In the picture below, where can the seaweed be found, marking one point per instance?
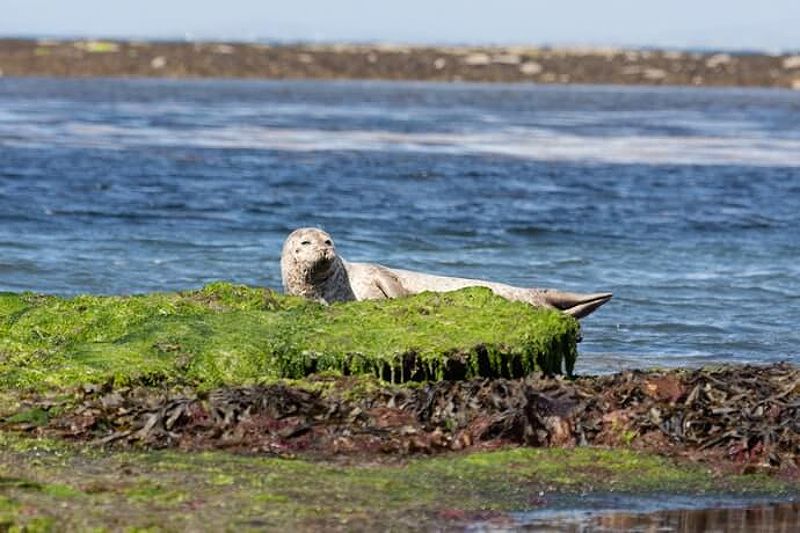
(232, 334)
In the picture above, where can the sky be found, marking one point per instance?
(770, 25)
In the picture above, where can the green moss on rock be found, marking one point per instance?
(232, 334)
(82, 489)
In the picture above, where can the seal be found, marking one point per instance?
(310, 267)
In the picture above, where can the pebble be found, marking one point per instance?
(158, 62)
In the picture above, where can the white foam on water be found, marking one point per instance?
(531, 143)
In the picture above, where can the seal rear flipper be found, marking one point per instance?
(576, 304)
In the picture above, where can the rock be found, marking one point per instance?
(305, 58)
(718, 60)
(506, 59)
(632, 70)
(477, 60)
(530, 68)
(439, 63)
(654, 74)
(223, 49)
(158, 62)
(791, 62)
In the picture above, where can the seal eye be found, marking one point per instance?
(328, 242)
(305, 243)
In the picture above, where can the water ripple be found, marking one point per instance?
(684, 203)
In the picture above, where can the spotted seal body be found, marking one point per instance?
(311, 268)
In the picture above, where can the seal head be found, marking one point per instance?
(311, 268)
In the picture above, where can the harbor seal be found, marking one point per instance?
(310, 267)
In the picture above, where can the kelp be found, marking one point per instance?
(742, 415)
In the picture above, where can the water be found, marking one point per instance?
(665, 513)
(683, 202)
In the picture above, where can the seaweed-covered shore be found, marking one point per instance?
(87, 58)
(358, 453)
(740, 418)
(235, 405)
(50, 485)
(237, 367)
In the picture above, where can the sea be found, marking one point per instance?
(683, 202)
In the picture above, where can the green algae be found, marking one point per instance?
(82, 488)
(233, 334)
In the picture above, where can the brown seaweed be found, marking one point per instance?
(747, 415)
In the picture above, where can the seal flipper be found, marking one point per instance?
(576, 304)
(388, 284)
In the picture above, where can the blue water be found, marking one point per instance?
(662, 512)
(683, 202)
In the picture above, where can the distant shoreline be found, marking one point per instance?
(92, 58)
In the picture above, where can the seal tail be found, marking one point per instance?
(576, 304)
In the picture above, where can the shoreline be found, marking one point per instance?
(178, 411)
(289, 454)
(230, 366)
(734, 419)
(509, 64)
(71, 487)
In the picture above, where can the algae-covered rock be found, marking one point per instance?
(67, 488)
(232, 334)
